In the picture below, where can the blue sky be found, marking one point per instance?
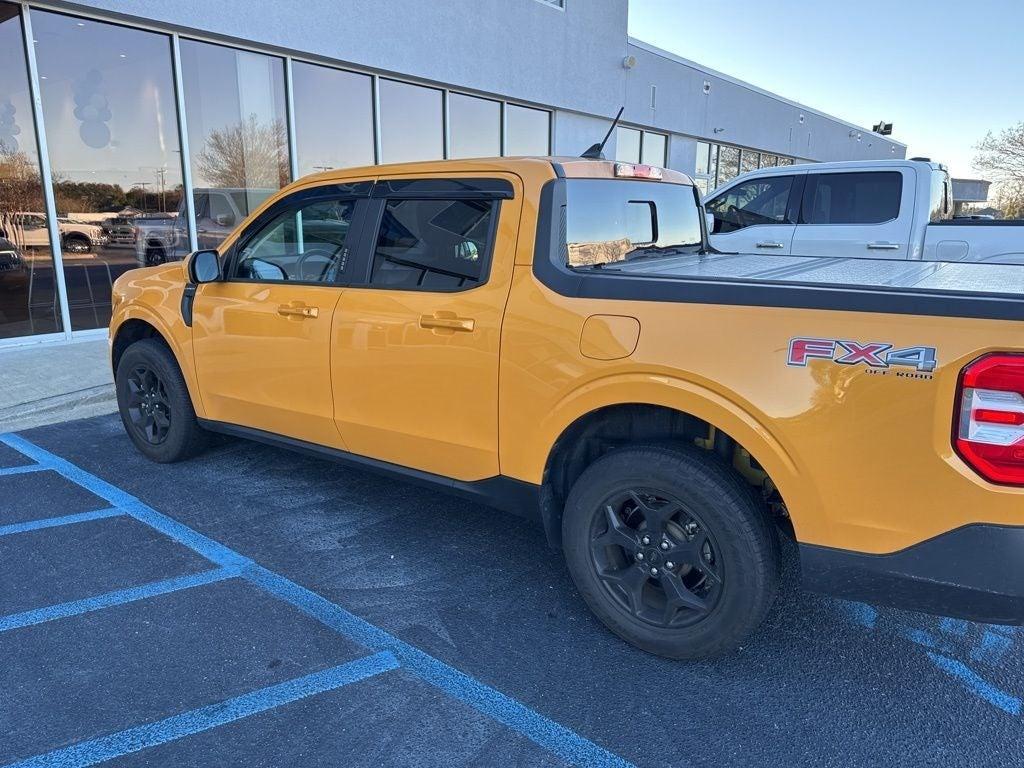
(944, 73)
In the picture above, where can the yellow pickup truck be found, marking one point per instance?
(554, 337)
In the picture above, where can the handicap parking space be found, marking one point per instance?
(10, 458)
(110, 553)
(258, 607)
(31, 496)
(148, 659)
(394, 720)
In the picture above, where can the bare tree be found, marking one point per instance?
(1001, 157)
(250, 155)
(21, 189)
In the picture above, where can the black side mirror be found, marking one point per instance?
(204, 267)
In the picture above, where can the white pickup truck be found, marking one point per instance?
(884, 209)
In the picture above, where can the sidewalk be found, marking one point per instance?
(47, 383)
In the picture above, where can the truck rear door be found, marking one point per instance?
(414, 356)
(856, 214)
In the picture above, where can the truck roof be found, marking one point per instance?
(847, 165)
(568, 167)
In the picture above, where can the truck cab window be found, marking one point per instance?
(433, 245)
(852, 198)
(609, 221)
(304, 245)
(761, 201)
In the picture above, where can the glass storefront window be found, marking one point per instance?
(654, 147)
(333, 118)
(749, 160)
(112, 132)
(411, 122)
(474, 126)
(769, 161)
(237, 133)
(28, 285)
(703, 152)
(527, 131)
(728, 164)
(627, 145)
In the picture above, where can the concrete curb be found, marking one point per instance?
(82, 403)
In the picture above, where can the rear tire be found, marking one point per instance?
(671, 550)
(154, 404)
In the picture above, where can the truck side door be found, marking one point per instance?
(857, 214)
(757, 215)
(414, 360)
(261, 336)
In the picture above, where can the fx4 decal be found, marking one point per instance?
(872, 354)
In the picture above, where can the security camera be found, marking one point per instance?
(629, 62)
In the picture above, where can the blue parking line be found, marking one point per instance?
(977, 684)
(22, 470)
(203, 719)
(119, 597)
(556, 738)
(212, 550)
(54, 522)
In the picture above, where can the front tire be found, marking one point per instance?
(154, 403)
(77, 244)
(155, 256)
(671, 550)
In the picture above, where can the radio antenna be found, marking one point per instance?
(596, 152)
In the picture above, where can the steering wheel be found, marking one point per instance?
(327, 254)
(738, 215)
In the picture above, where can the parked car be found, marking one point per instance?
(10, 256)
(860, 209)
(555, 337)
(120, 230)
(218, 211)
(30, 230)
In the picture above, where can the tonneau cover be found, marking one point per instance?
(886, 273)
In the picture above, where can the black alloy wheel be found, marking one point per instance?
(148, 405)
(671, 549)
(657, 559)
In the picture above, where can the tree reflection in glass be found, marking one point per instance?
(28, 292)
(235, 105)
(112, 133)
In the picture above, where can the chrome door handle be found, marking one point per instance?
(884, 246)
(300, 310)
(447, 323)
(770, 245)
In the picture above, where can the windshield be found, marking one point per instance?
(614, 221)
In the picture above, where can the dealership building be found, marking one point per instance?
(132, 131)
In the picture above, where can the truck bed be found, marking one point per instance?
(883, 273)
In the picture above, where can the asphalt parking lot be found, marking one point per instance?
(255, 607)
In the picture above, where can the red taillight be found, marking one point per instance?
(990, 427)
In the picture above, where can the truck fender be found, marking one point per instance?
(723, 413)
(181, 347)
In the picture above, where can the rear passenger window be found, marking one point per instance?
(433, 245)
(851, 198)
